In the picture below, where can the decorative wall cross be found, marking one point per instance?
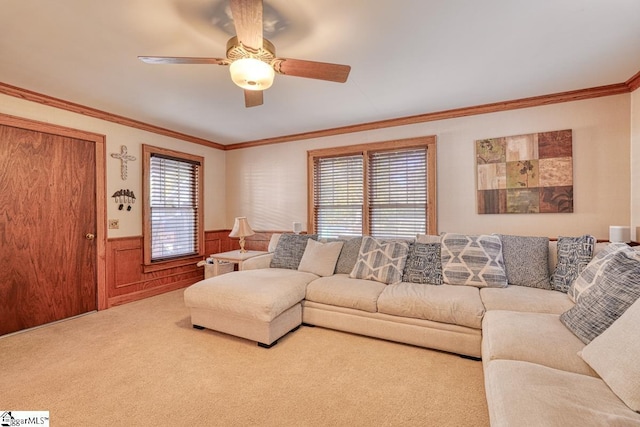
(124, 157)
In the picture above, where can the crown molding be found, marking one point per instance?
(575, 95)
(634, 82)
(99, 114)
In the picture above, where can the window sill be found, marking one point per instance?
(165, 265)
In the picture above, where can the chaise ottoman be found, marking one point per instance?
(260, 305)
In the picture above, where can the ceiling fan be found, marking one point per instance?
(252, 59)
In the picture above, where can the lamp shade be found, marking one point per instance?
(251, 74)
(241, 228)
(619, 233)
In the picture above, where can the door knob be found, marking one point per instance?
(90, 236)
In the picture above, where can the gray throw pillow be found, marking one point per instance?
(526, 260)
(289, 250)
(423, 264)
(574, 254)
(348, 255)
(617, 288)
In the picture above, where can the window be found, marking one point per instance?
(173, 226)
(383, 190)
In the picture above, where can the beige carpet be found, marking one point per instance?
(143, 364)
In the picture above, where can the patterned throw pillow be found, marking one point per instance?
(348, 255)
(526, 260)
(574, 253)
(289, 250)
(423, 264)
(380, 261)
(473, 260)
(603, 303)
(592, 272)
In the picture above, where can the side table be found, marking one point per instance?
(235, 257)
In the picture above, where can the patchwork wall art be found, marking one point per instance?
(530, 173)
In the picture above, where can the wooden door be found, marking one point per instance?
(47, 209)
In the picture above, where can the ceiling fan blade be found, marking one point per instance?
(252, 98)
(247, 17)
(181, 60)
(312, 70)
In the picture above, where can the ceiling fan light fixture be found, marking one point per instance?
(252, 74)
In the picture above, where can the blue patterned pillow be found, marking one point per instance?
(473, 260)
(423, 264)
(380, 261)
(616, 289)
(289, 250)
(574, 254)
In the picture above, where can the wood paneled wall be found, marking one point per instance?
(128, 280)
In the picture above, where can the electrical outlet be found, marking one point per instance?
(114, 223)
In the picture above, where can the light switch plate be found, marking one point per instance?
(114, 223)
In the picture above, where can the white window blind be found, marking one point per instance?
(398, 193)
(173, 207)
(338, 195)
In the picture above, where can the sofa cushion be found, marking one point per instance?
(380, 261)
(456, 305)
(574, 253)
(289, 250)
(592, 272)
(273, 242)
(428, 238)
(520, 298)
(527, 394)
(526, 260)
(261, 294)
(320, 258)
(616, 289)
(473, 260)
(423, 264)
(614, 356)
(342, 291)
(532, 337)
(348, 255)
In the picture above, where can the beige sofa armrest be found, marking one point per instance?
(260, 261)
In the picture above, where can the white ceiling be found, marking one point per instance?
(408, 57)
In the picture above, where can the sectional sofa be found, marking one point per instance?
(542, 315)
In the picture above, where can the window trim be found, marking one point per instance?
(428, 142)
(147, 152)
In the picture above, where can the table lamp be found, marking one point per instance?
(241, 229)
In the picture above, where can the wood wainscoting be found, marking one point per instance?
(128, 280)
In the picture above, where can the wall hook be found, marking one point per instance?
(122, 197)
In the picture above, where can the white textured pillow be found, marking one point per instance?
(428, 238)
(320, 258)
(273, 242)
(614, 356)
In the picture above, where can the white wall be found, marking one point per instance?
(118, 135)
(635, 164)
(268, 184)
